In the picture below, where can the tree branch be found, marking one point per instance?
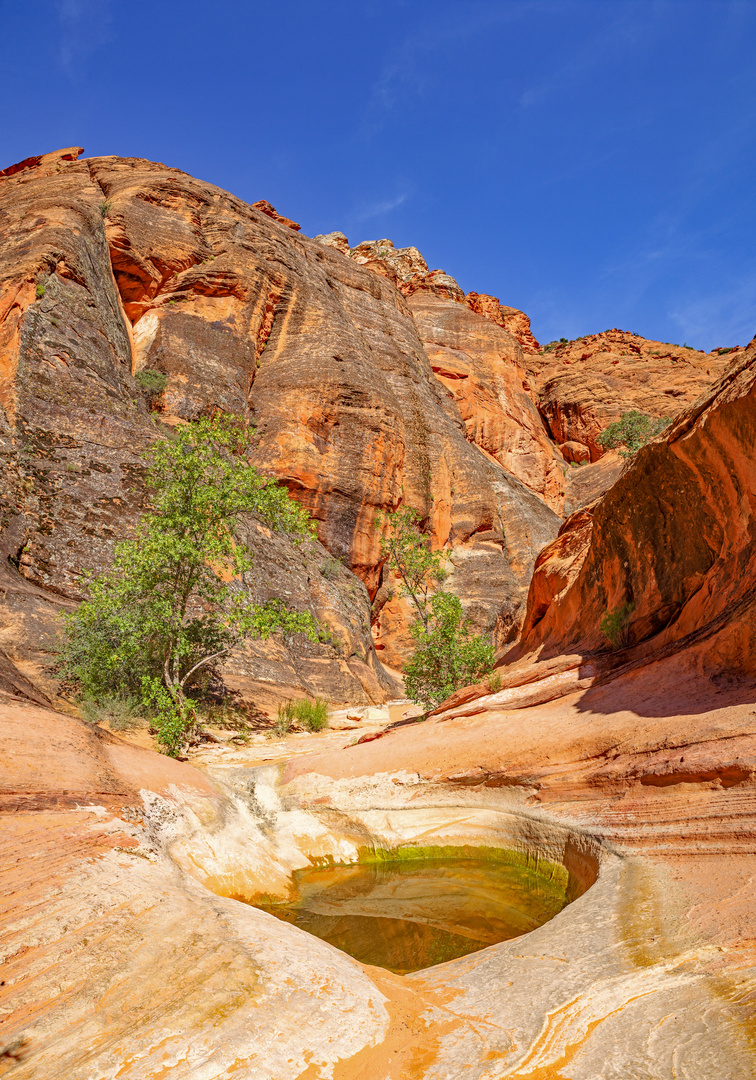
(205, 660)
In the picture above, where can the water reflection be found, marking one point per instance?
(412, 914)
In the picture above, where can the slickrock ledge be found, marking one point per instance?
(124, 959)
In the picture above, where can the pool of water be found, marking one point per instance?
(411, 913)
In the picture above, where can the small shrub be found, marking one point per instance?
(105, 207)
(40, 290)
(632, 431)
(120, 711)
(283, 721)
(152, 381)
(615, 625)
(312, 714)
(723, 352)
(330, 569)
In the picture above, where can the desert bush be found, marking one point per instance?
(448, 654)
(615, 625)
(119, 711)
(152, 381)
(632, 431)
(311, 713)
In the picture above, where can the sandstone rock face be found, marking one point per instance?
(673, 538)
(75, 423)
(480, 367)
(264, 205)
(112, 266)
(139, 962)
(515, 322)
(373, 382)
(335, 240)
(585, 385)
(400, 265)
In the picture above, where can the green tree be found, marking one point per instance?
(448, 653)
(173, 604)
(632, 431)
(409, 555)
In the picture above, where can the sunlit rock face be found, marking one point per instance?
(673, 539)
(582, 386)
(111, 266)
(373, 382)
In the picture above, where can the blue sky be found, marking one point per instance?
(589, 161)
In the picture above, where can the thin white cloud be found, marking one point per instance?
(85, 26)
(404, 75)
(378, 209)
(623, 28)
(725, 318)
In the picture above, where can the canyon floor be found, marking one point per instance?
(126, 958)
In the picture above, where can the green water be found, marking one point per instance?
(411, 913)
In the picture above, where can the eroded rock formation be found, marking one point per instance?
(673, 540)
(372, 380)
(139, 961)
(112, 266)
(585, 385)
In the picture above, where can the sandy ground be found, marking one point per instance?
(260, 748)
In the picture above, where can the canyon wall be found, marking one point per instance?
(372, 382)
(112, 266)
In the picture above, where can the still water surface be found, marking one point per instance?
(414, 913)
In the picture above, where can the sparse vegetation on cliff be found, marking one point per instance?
(615, 625)
(448, 653)
(152, 381)
(632, 431)
(173, 605)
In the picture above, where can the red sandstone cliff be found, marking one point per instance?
(372, 382)
(110, 266)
